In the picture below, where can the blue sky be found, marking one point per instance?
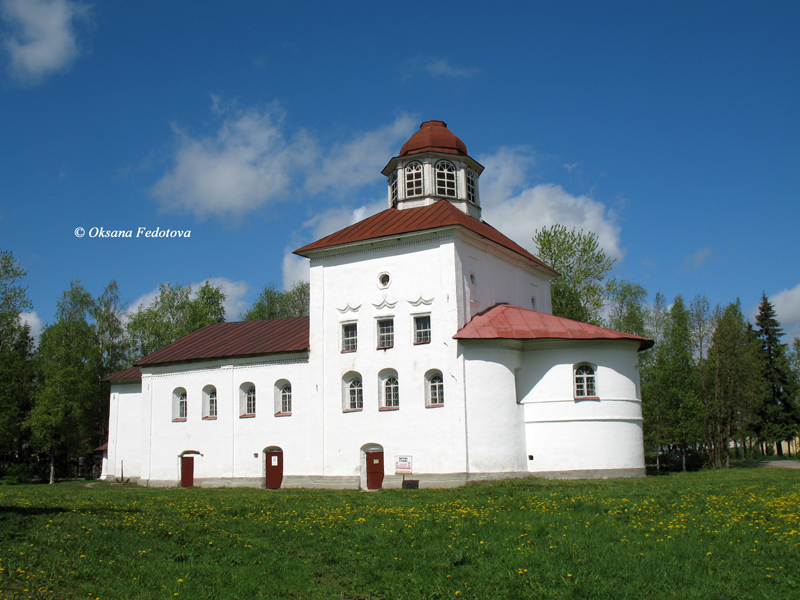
(671, 129)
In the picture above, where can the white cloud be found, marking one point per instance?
(518, 211)
(696, 260)
(247, 163)
(41, 38)
(787, 311)
(359, 161)
(441, 67)
(234, 304)
(235, 291)
(34, 321)
(337, 218)
(296, 268)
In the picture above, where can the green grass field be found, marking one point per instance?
(709, 535)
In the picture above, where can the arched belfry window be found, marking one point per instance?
(393, 188)
(472, 196)
(445, 179)
(414, 179)
(585, 384)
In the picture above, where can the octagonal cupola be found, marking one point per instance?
(434, 165)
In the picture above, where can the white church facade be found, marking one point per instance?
(429, 356)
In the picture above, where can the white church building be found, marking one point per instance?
(430, 358)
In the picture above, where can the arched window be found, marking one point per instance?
(283, 398)
(445, 179)
(391, 393)
(437, 389)
(414, 180)
(286, 399)
(434, 388)
(356, 395)
(180, 407)
(585, 381)
(212, 404)
(393, 188)
(209, 402)
(247, 400)
(471, 195)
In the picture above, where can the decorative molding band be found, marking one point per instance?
(419, 301)
(438, 238)
(266, 363)
(587, 420)
(275, 363)
(348, 308)
(601, 400)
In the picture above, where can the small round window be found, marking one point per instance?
(384, 279)
(472, 279)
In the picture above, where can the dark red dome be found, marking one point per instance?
(434, 136)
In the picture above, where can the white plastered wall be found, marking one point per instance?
(124, 431)
(499, 276)
(230, 448)
(346, 288)
(585, 437)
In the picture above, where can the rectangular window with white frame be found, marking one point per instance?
(385, 333)
(349, 337)
(422, 329)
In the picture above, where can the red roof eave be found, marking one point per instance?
(504, 321)
(392, 222)
(234, 340)
(129, 374)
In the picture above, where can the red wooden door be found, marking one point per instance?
(187, 471)
(374, 470)
(274, 470)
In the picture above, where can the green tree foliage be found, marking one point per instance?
(734, 383)
(779, 416)
(668, 380)
(794, 358)
(578, 291)
(676, 380)
(626, 310)
(65, 409)
(16, 353)
(275, 304)
(173, 314)
(652, 400)
(113, 348)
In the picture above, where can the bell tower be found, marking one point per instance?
(434, 165)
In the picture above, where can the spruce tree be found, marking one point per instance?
(778, 414)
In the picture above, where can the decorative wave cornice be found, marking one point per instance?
(419, 301)
(385, 304)
(349, 308)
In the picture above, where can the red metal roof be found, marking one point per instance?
(129, 373)
(240, 338)
(436, 137)
(504, 321)
(101, 448)
(393, 221)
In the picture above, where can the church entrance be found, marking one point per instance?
(374, 470)
(274, 469)
(187, 471)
